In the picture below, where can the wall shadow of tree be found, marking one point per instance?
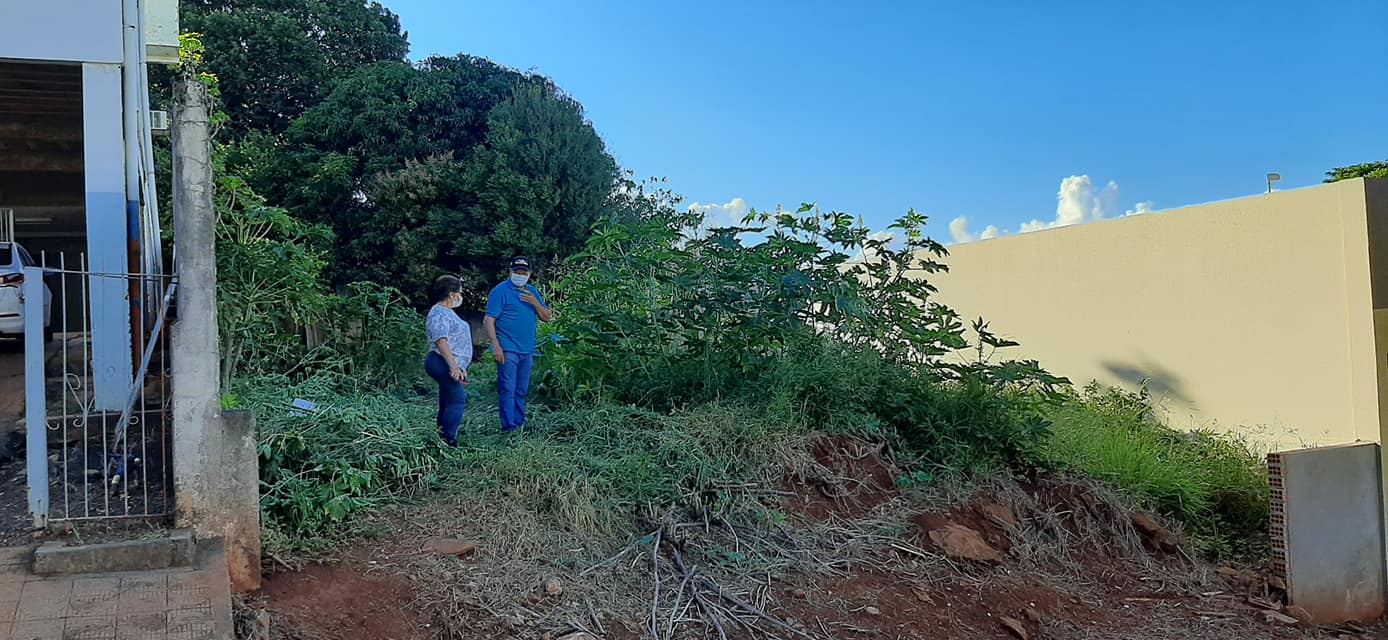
(1160, 381)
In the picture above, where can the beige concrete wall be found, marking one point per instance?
(1254, 315)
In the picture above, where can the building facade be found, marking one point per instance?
(76, 161)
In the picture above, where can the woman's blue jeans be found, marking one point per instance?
(452, 397)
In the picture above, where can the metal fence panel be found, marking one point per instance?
(86, 463)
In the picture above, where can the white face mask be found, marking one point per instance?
(519, 279)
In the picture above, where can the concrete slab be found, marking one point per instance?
(191, 603)
(175, 550)
(1327, 531)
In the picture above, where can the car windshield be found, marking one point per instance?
(7, 257)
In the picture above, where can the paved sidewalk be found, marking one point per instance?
(177, 604)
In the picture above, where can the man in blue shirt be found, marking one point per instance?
(514, 310)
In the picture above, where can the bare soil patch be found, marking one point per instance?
(857, 559)
(343, 601)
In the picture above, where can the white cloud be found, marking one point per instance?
(959, 230)
(1079, 202)
(728, 214)
(1142, 207)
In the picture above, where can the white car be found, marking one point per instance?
(13, 259)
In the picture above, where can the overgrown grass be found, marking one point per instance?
(588, 470)
(1214, 485)
(356, 450)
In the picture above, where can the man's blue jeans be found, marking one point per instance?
(452, 398)
(512, 386)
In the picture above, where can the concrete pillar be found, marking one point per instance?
(104, 149)
(197, 442)
(238, 505)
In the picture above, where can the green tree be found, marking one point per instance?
(1365, 170)
(448, 166)
(276, 59)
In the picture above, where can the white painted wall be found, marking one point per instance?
(103, 144)
(161, 30)
(61, 30)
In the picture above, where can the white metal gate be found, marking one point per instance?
(90, 460)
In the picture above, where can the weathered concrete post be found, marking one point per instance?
(239, 503)
(195, 362)
(216, 470)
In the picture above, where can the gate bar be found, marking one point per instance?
(35, 402)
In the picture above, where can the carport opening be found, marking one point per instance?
(42, 183)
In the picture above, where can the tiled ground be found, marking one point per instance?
(179, 604)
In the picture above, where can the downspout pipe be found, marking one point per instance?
(131, 112)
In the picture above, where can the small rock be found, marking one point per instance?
(1279, 618)
(1033, 615)
(553, 588)
(1016, 627)
(1303, 616)
(547, 636)
(999, 515)
(1277, 583)
(923, 595)
(800, 594)
(1228, 572)
(872, 611)
(1154, 532)
(450, 547)
(963, 543)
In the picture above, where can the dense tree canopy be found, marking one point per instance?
(277, 58)
(1366, 170)
(451, 164)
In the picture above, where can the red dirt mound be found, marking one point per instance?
(340, 601)
(852, 479)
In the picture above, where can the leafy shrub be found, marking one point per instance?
(357, 449)
(375, 336)
(805, 312)
(1211, 483)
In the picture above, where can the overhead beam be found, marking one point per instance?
(59, 163)
(53, 128)
(40, 147)
(30, 188)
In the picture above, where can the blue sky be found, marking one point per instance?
(979, 111)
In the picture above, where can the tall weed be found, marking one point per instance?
(1212, 483)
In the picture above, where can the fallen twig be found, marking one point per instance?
(616, 558)
(704, 607)
(675, 609)
(592, 613)
(655, 593)
(755, 611)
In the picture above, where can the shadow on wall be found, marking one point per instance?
(1159, 381)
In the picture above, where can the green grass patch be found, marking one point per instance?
(589, 470)
(1213, 484)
